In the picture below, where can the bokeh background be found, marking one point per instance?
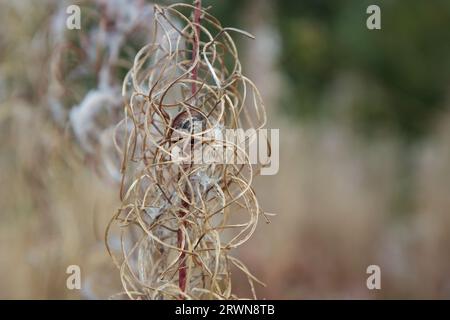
(364, 119)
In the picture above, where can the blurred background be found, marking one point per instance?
(364, 119)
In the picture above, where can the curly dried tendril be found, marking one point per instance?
(179, 220)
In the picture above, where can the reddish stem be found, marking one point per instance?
(195, 49)
(180, 236)
(182, 264)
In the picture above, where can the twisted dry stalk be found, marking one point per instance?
(179, 220)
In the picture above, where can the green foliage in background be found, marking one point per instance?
(402, 71)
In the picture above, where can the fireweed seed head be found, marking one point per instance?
(181, 220)
(87, 67)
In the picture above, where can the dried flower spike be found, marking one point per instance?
(180, 220)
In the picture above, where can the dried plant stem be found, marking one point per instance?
(180, 237)
(182, 263)
(181, 219)
(196, 44)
